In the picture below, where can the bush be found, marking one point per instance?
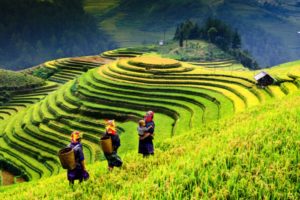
(245, 58)
(43, 72)
(16, 80)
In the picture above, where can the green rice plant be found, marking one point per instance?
(232, 94)
(123, 64)
(288, 87)
(152, 97)
(33, 168)
(183, 100)
(110, 85)
(12, 140)
(10, 80)
(246, 156)
(275, 91)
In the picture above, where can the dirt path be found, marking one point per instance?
(8, 178)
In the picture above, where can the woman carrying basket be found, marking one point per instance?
(112, 157)
(79, 173)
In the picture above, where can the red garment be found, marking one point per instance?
(110, 127)
(149, 116)
(111, 130)
(75, 136)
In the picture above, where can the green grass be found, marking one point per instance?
(20, 98)
(11, 80)
(166, 93)
(196, 51)
(66, 69)
(147, 79)
(193, 51)
(252, 155)
(183, 100)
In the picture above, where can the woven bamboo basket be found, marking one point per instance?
(67, 158)
(106, 145)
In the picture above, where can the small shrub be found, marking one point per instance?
(44, 72)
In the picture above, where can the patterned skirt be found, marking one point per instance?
(113, 159)
(77, 174)
(146, 147)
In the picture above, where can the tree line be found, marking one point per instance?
(33, 31)
(219, 33)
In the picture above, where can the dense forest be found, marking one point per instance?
(33, 31)
(219, 33)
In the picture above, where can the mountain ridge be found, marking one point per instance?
(268, 28)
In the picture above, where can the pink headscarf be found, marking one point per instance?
(149, 116)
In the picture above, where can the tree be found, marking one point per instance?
(187, 27)
(181, 37)
(33, 30)
(218, 33)
(195, 32)
(236, 40)
(212, 34)
(183, 31)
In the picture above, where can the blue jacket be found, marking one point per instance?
(77, 147)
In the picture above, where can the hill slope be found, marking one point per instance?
(268, 28)
(252, 155)
(13, 88)
(11, 80)
(196, 51)
(182, 95)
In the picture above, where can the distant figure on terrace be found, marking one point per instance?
(113, 159)
(146, 134)
(79, 173)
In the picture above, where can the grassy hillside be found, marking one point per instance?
(268, 32)
(11, 84)
(16, 80)
(20, 89)
(184, 96)
(193, 50)
(254, 155)
(66, 69)
(188, 98)
(17, 101)
(196, 52)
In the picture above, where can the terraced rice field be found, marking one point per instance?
(182, 95)
(222, 64)
(68, 69)
(24, 107)
(23, 98)
(124, 52)
(65, 70)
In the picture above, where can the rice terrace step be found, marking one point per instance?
(187, 98)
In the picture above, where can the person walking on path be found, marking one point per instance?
(146, 141)
(113, 159)
(79, 173)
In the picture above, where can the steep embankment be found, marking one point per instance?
(253, 155)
